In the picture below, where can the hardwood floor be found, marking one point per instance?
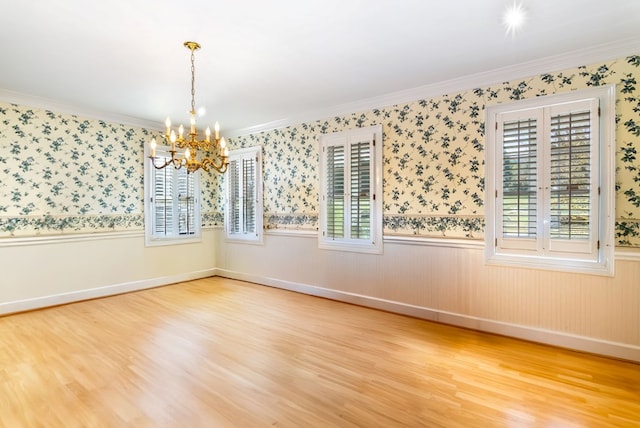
(223, 353)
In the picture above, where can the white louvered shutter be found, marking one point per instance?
(348, 174)
(163, 201)
(335, 191)
(243, 210)
(547, 194)
(350, 217)
(233, 197)
(185, 202)
(360, 184)
(249, 195)
(573, 177)
(174, 202)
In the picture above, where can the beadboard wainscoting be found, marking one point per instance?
(449, 282)
(440, 280)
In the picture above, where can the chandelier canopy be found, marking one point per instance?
(184, 149)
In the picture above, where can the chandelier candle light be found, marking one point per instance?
(219, 159)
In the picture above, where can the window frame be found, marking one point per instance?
(253, 154)
(151, 238)
(374, 243)
(599, 257)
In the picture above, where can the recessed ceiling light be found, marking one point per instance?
(514, 17)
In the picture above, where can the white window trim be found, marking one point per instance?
(254, 152)
(604, 264)
(152, 240)
(375, 244)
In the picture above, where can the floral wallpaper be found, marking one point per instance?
(434, 156)
(62, 174)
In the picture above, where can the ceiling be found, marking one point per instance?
(267, 61)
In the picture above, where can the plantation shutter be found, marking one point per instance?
(519, 199)
(348, 175)
(233, 203)
(573, 177)
(163, 201)
(185, 201)
(547, 194)
(174, 203)
(243, 213)
(519, 178)
(335, 191)
(350, 217)
(360, 183)
(550, 181)
(249, 195)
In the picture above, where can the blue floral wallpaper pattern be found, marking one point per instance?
(62, 174)
(434, 156)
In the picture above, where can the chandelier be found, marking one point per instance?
(189, 145)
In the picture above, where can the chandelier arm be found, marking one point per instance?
(176, 162)
(221, 167)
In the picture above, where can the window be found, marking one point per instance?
(243, 209)
(550, 180)
(172, 203)
(351, 190)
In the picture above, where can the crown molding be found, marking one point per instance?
(34, 101)
(549, 64)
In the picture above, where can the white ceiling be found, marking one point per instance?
(265, 61)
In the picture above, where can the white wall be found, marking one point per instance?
(450, 283)
(445, 281)
(59, 270)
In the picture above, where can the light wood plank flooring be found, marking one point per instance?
(223, 353)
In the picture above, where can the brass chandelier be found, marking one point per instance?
(215, 146)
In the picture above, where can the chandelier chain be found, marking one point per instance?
(193, 82)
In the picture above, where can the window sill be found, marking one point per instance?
(251, 241)
(159, 242)
(602, 268)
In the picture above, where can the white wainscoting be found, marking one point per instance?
(448, 281)
(94, 293)
(41, 272)
(440, 280)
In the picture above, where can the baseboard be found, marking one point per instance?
(94, 293)
(548, 337)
